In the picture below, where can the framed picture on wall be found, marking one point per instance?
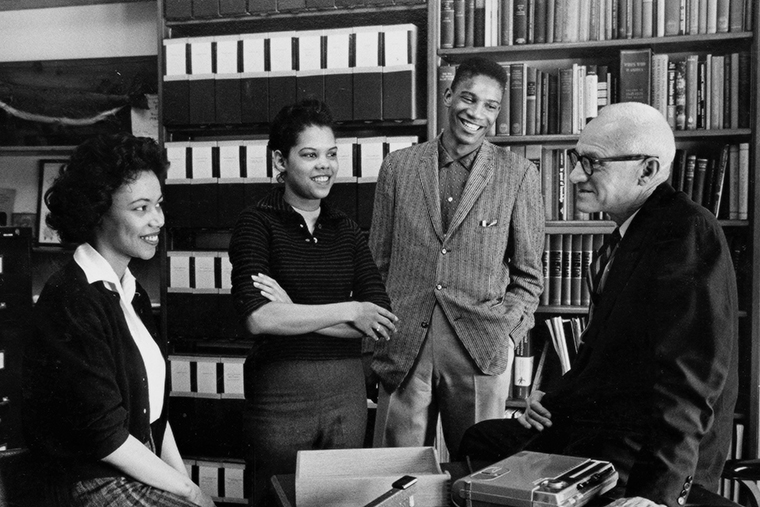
(49, 169)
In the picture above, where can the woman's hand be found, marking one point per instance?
(198, 497)
(270, 289)
(535, 415)
(374, 321)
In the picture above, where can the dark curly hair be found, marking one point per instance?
(479, 66)
(83, 191)
(292, 120)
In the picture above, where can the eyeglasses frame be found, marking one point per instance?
(596, 162)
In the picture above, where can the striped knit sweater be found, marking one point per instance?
(331, 266)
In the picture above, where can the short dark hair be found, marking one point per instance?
(292, 120)
(82, 193)
(479, 66)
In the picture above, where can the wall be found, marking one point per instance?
(91, 31)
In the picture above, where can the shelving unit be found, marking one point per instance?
(206, 423)
(560, 54)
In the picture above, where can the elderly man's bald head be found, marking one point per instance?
(634, 127)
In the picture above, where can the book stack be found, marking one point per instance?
(478, 23)
(566, 338)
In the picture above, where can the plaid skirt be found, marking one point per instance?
(122, 491)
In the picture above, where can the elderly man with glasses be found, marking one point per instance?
(654, 384)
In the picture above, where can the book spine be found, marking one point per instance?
(702, 6)
(733, 180)
(701, 94)
(672, 17)
(691, 92)
(520, 22)
(550, 16)
(559, 20)
(571, 31)
(480, 24)
(555, 269)
(503, 118)
(637, 9)
(712, 16)
(523, 368)
(459, 23)
(688, 182)
(576, 269)
(567, 254)
(587, 253)
(566, 101)
(447, 24)
(726, 111)
(469, 23)
(693, 9)
(647, 18)
(530, 100)
(744, 89)
(700, 172)
(660, 83)
(635, 75)
(445, 78)
(517, 98)
(722, 16)
(544, 301)
(743, 197)
(680, 95)
(539, 23)
(590, 102)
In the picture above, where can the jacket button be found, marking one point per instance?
(681, 500)
(424, 324)
(444, 251)
(438, 287)
(145, 411)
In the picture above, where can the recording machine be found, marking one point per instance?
(532, 479)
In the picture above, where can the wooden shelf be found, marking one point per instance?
(723, 42)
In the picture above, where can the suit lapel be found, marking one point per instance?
(633, 245)
(427, 170)
(481, 173)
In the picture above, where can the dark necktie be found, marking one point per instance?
(596, 269)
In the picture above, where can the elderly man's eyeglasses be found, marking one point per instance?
(590, 164)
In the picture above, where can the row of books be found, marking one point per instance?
(565, 260)
(206, 377)
(478, 23)
(696, 92)
(546, 352)
(206, 9)
(720, 183)
(359, 159)
(247, 78)
(203, 272)
(557, 189)
(223, 481)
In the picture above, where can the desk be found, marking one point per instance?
(284, 486)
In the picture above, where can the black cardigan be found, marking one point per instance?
(85, 384)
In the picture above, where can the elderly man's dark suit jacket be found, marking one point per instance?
(654, 385)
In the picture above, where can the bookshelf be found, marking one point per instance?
(227, 66)
(551, 56)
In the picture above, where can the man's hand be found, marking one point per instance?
(270, 289)
(536, 415)
(635, 501)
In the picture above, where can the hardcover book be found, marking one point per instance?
(635, 71)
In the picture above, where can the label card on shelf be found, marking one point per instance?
(204, 270)
(233, 376)
(371, 156)
(208, 478)
(233, 480)
(309, 50)
(200, 55)
(346, 168)
(256, 164)
(202, 161)
(367, 46)
(227, 54)
(179, 270)
(254, 52)
(176, 57)
(229, 159)
(226, 281)
(206, 369)
(176, 154)
(339, 48)
(400, 44)
(281, 51)
(180, 374)
(400, 142)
